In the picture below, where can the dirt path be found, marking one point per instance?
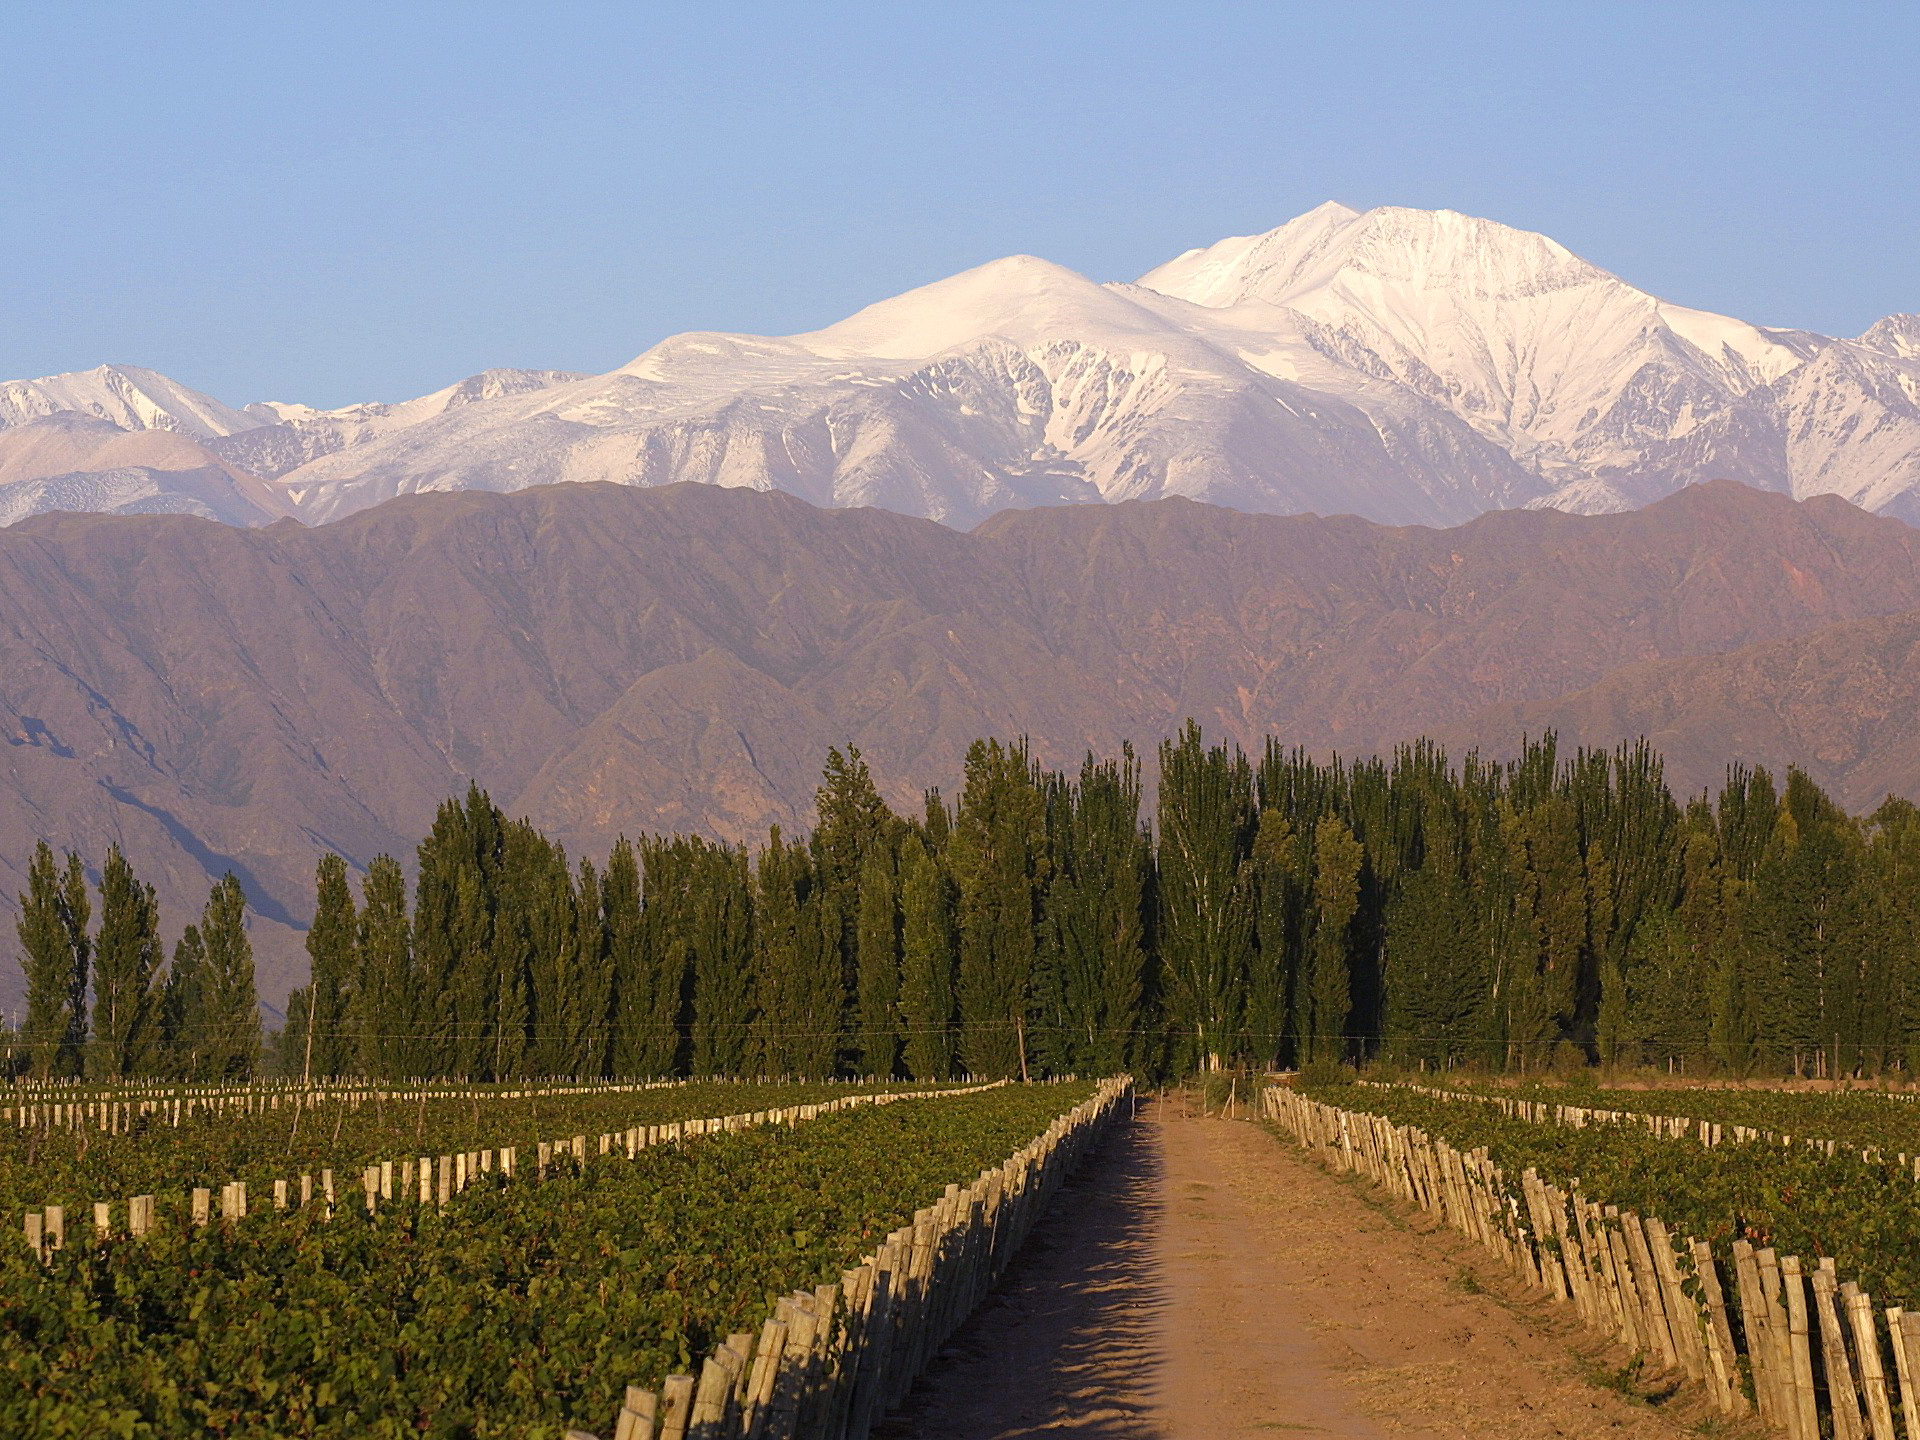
(1202, 1280)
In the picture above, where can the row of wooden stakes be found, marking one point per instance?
(438, 1180)
(1668, 1127)
(1818, 1365)
(54, 1108)
(830, 1362)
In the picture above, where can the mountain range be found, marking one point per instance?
(1405, 366)
(610, 660)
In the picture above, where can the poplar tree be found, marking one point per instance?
(927, 962)
(1207, 823)
(997, 853)
(786, 996)
(183, 1009)
(127, 957)
(1280, 889)
(55, 954)
(1337, 858)
(231, 1004)
(629, 964)
(722, 955)
(331, 964)
(555, 1020)
(1095, 904)
(878, 951)
(455, 897)
(596, 974)
(658, 1036)
(382, 991)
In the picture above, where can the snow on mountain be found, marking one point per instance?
(73, 461)
(1409, 366)
(285, 436)
(124, 395)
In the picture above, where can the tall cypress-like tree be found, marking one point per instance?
(1207, 825)
(1280, 885)
(667, 932)
(927, 963)
(878, 944)
(127, 957)
(183, 1009)
(555, 1018)
(629, 963)
(331, 942)
(852, 819)
(232, 1005)
(381, 1009)
(722, 962)
(1337, 859)
(1095, 911)
(998, 857)
(55, 955)
(596, 974)
(786, 996)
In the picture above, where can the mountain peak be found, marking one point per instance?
(129, 396)
(1012, 297)
(1422, 249)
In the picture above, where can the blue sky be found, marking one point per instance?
(353, 202)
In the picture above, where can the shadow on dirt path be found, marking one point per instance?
(1068, 1342)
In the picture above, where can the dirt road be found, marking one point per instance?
(1202, 1280)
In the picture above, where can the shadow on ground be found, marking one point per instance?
(1066, 1343)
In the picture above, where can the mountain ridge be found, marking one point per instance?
(609, 659)
(1408, 366)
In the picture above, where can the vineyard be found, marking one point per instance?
(1781, 1275)
(713, 1272)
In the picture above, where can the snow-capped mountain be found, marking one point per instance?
(123, 395)
(1409, 366)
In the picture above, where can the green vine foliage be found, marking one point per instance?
(1864, 1213)
(523, 1310)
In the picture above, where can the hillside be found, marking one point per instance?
(613, 660)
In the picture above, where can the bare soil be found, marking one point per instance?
(1202, 1279)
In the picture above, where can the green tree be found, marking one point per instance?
(1207, 823)
(1095, 905)
(381, 1007)
(126, 959)
(998, 856)
(232, 1004)
(55, 955)
(927, 963)
(183, 1009)
(331, 960)
(722, 962)
(878, 944)
(1337, 860)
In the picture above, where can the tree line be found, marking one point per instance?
(1549, 910)
(99, 1005)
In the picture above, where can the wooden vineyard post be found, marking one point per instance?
(760, 1381)
(140, 1216)
(1806, 1422)
(1843, 1394)
(424, 1170)
(102, 1219)
(1904, 1328)
(638, 1413)
(36, 1235)
(1721, 1364)
(1873, 1374)
(1685, 1317)
(202, 1205)
(1647, 1283)
(676, 1406)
